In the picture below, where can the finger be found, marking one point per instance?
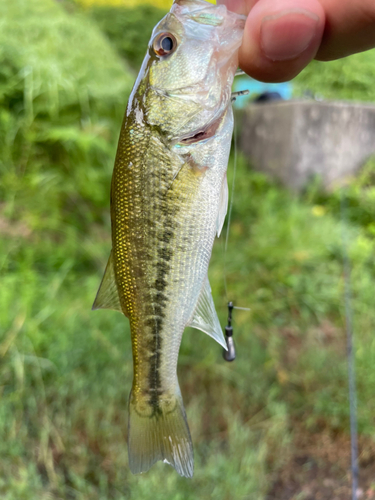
(280, 37)
(238, 6)
(350, 28)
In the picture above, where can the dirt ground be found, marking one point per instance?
(320, 470)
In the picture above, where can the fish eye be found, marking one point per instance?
(164, 44)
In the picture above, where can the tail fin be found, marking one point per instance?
(159, 432)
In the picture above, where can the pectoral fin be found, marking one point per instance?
(223, 205)
(205, 317)
(107, 296)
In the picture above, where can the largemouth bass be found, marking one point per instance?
(169, 198)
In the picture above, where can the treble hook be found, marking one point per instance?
(230, 354)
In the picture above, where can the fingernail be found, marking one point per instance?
(287, 34)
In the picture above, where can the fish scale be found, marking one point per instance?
(168, 202)
(142, 239)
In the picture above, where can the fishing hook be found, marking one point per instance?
(230, 354)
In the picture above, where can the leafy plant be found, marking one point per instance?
(129, 29)
(60, 111)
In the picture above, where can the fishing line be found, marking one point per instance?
(230, 208)
(230, 215)
(230, 354)
(239, 72)
(350, 347)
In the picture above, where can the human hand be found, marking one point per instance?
(282, 36)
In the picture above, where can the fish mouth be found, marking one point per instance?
(202, 134)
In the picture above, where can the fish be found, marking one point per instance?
(169, 198)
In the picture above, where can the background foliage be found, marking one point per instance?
(137, 23)
(65, 372)
(349, 78)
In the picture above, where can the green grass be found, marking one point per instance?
(65, 371)
(66, 375)
(350, 78)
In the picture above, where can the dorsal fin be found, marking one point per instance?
(107, 296)
(205, 317)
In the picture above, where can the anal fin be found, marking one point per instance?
(107, 296)
(205, 316)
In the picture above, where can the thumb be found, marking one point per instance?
(280, 38)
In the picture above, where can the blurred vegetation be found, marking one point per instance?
(60, 112)
(349, 78)
(137, 23)
(66, 372)
(359, 201)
